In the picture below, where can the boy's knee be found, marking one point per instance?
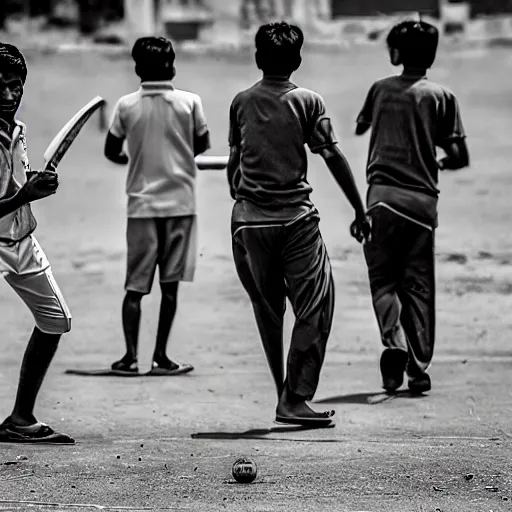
(169, 290)
(133, 297)
(56, 325)
(413, 285)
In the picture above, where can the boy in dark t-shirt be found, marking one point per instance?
(277, 246)
(409, 116)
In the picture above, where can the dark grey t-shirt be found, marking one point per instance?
(410, 116)
(272, 122)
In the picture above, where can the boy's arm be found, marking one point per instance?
(457, 155)
(115, 138)
(234, 139)
(233, 170)
(340, 169)
(201, 133)
(323, 142)
(38, 186)
(342, 173)
(365, 117)
(201, 143)
(452, 137)
(114, 149)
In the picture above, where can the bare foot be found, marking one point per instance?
(299, 413)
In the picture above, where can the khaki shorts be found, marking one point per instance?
(27, 270)
(169, 243)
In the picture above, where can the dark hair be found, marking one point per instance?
(12, 61)
(416, 42)
(278, 47)
(154, 58)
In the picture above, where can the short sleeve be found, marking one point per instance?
(200, 124)
(366, 114)
(322, 134)
(450, 120)
(116, 124)
(235, 137)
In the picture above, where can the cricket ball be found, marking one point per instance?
(244, 470)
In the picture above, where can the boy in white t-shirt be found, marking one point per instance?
(164, 128)
(23, 263)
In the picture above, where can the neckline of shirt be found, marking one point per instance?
(414, 74)
(160, 85)
(276, 78)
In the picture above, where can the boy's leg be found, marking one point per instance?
(31, 278)
(384, 256)
(176, 262)
(168, 307)
(256, 252)
(142, 254)
(417, 295)
(131, 313)
(310, 285)
(38, 355)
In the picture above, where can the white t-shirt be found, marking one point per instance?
(14, 165)
(159, 123)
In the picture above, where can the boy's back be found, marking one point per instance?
(277, 246)
(159, 123)
(165, 129)
(410, 116)
(271, 122)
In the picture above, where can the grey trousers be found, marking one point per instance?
(400, 259)
(275, 261)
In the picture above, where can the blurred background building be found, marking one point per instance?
(187, 19)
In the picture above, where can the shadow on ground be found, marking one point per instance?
(256, 433)
(367, 398)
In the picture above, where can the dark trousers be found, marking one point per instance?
(276, 261)
(400, 259)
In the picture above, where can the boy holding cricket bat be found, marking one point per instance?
(165, 128)
(22, 261)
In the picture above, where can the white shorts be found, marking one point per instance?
(28, 272)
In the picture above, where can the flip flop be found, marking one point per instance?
(322, 420)
(38, 433)
(158, 371)
(118, 369)
(107, 372)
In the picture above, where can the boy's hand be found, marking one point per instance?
(457, 156)
(39, 185)
(120, 159)
(360, 229)
(123, 159)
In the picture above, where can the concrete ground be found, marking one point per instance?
(169, 443)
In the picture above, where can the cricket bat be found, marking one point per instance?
(62, 141)
(211, 163)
